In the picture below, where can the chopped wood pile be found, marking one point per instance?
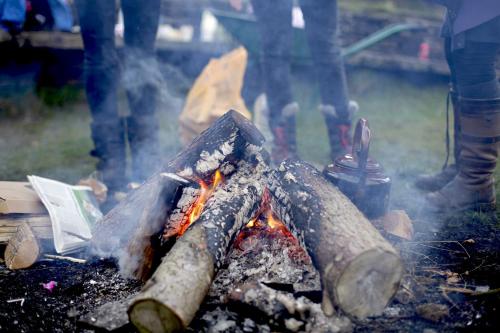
(194, 231)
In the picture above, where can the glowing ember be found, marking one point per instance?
(265, 225)
(197, 208)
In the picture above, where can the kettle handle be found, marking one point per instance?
(361, 143)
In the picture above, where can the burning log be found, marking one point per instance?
(360, 270)
(170, 299)
(126, 230)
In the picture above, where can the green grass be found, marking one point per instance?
(419, 8)
(54, 141)
(407, 121)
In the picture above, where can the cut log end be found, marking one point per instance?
(150, 315)
(23, 249)
(368, 283)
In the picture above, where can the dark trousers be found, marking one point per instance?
(473, 73)
(104, 65)
(274, 18)
(135, 68)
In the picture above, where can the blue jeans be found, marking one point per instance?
(274, 18)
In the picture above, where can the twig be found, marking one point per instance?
(451, 241)
(16, 300)
(53, 256)
(489, 292)
(446, 297)
(421, 254)
(457, 290)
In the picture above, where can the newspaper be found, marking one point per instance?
(73, 212)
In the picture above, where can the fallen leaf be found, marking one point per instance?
(433, 312)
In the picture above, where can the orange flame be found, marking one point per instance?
(265, 218)
(197, 208)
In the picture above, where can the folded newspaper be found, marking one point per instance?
(73, 212)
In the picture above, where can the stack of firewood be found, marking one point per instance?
(359, 270)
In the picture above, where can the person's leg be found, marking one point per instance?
(321, 17)
(97, 20)
(436, 181)
(276, 33)
(479, 100)
(142, 81)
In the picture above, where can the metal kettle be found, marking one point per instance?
(360, 177)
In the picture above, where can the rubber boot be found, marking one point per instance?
(143, 137)
(109, 143)
(284, 134)
(339, 129)
(473, 187)
(436, 181)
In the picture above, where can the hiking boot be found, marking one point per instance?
(436, 181)
(473, 187)
(109, 143)
(339, 129)
(284, 134)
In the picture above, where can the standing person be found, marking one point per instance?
(103, 69)
(472, 42)
(321, 16)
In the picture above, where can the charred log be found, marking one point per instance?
(359, 269)
(110, 316)
(125, 231)
(282, 310)
(170, 299)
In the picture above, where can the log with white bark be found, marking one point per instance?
(170, 299)
(126, 230)
(359, 269)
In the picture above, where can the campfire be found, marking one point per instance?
(187, 230)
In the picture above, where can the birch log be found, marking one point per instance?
(170, 299)
(360, 270)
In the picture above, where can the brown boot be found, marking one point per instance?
(285, 134)
(339, 131)
(473, 187)
(436, 181)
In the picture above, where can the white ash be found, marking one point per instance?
(227, 168)
(293, 324)
(178, 215)
(209, 162)
(270, 262)
(209, 323)
(244, 180)
(303, 195)
(283, 311)
(186, 173)
(289, 177)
